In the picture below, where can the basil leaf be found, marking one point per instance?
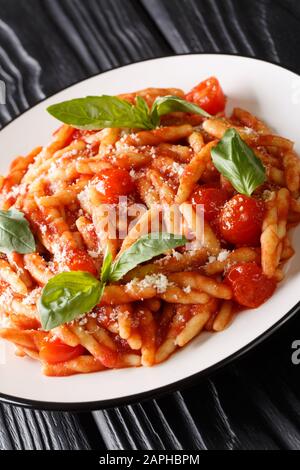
(67, 296)
(15, 233)
(237, 162)
(106, 266)
(144, 249)
(143, 111)
(171, 104)
(98, 112)
(71, 294)
(102, 287)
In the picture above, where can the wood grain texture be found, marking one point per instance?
(38, 430)
(46, 45)
(266, 29)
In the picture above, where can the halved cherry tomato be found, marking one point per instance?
(79, 260)
(113, 183)
(208, 95)
(53, 351)
(213, 199)
(250, 286)
(241, 220)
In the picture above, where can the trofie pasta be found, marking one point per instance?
(149, 218)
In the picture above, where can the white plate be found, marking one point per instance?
(263, 88)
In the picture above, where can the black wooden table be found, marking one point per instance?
(46, 45)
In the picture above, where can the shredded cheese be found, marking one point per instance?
(159, 281)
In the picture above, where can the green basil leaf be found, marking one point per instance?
(98, 112)
(171, 104)
(102, 287)
(235, 160)
(15, 233)
(106, 266)
(143, 112)
(144, 249)
(67, 296)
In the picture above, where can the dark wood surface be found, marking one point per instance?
(45, 45)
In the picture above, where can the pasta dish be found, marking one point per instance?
(149, 218)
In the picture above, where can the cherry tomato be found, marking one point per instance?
(79, 260)
(208, 95)
(250, 286)
(114, 182)
(53, 350)
(241, 220)
(213, 199)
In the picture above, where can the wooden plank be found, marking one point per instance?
(71, 40)
(38, 430)
(257, 28)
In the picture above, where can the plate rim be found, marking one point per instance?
(179, 384)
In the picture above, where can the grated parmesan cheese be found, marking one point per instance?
(159, 281)
(17, 190)
(176, 254)
(268, 195)
(33, 296)
(153, 152)
(177, 169)
(4, 321)
(187, 289)
(248, 130)
(94, 254)
(223, 255)
(93, 314)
